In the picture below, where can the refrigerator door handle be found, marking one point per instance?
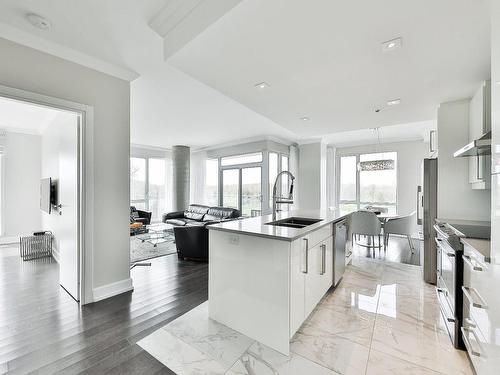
(419, 192)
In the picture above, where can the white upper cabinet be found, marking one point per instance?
(480, 124)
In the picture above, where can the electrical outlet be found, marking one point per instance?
(234, 240)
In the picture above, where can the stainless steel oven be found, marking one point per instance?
(450, 271)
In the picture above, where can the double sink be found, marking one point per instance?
(294, 222)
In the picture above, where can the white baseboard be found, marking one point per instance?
(9, 240)
(113, 289)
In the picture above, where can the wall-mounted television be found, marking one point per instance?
(47, 194)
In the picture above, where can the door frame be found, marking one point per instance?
(86, 178)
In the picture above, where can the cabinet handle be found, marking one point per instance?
(480, 305)
(441, 306)
(465, 336)
(467, 259)
(323, 259)
(306, 249)
(470, 323)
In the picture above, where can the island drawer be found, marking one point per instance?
(319, 235)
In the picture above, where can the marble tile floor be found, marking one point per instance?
(381, 319)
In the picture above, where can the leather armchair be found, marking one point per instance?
(191, 242)
(140, 216)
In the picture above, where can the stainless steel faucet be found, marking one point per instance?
(280, 200)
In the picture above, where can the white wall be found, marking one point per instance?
(456, 198)
(21, 185)
(312, 176)
(34, 71)
(495, 130)
(410, 156)
(50, 141)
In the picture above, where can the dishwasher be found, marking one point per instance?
(340, 239)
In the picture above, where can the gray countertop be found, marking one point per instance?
(256, 226)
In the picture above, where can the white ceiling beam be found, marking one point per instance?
(180, 21)
(41, 44)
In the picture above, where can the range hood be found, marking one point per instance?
(481, 146)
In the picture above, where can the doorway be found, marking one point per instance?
(42, 142)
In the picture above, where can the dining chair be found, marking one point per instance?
(401, 225)
(366, 223)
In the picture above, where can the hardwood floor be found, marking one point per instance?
(398, 251)
(43, 330)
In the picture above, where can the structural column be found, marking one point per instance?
(181, 159)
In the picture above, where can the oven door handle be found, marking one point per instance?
(443, 312)
(467, 294)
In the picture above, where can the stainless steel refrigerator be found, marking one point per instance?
(426, 215)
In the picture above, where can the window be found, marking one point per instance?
(137, 180)
(211, 187)
(273, 173)
(278, 163)
(242, 159)
(156, 188)
(148, 185)
(242, 181)
(368, 180)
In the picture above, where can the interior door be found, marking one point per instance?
(68, 198)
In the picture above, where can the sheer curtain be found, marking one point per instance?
(3, 142)
(198, 172)
(330, 178)
(168, 183)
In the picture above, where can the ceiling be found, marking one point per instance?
(321, 58)
(24, 117)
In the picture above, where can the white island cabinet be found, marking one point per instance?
(265, 280)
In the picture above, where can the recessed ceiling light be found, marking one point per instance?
(392, 44)
(39, 21)
(262, 85)
(394, 102)
(305, 118)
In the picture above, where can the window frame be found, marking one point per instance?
(358, 202)
(239, 167)
(266, 188)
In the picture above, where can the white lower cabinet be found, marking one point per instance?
(311, 277)
(481, 322)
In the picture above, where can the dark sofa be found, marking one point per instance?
(191, 234)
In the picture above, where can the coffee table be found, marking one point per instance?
(156, 233)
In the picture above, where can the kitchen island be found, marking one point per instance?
(265, 280)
